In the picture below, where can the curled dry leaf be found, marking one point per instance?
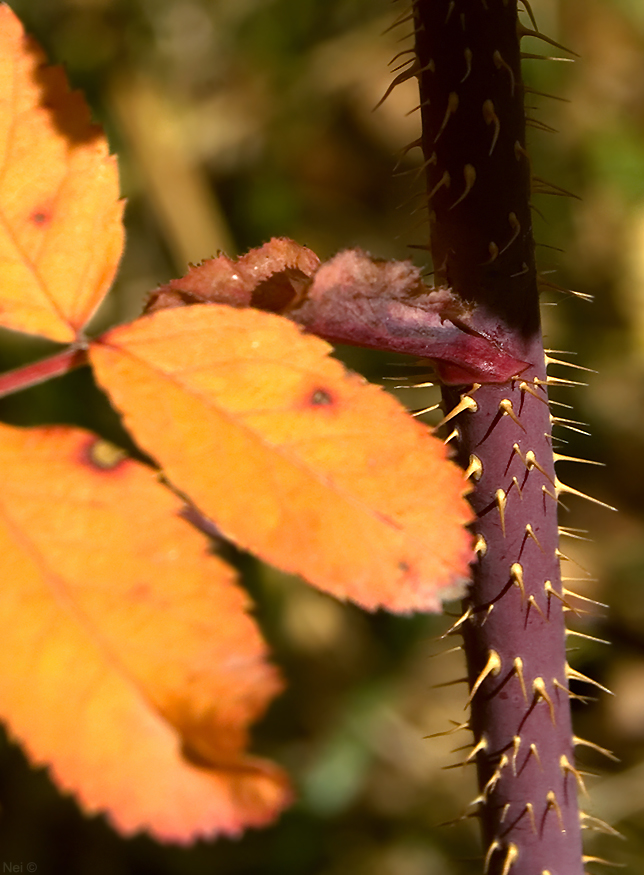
(290, 455)
(352, 298)
(61, 234)
(270, 277)
(128, 665)
(385, 305)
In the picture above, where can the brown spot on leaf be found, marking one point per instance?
(321, 398)
(40, 217)
(103, 455)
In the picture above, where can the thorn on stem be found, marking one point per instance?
(492, 667)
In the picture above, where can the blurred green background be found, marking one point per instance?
(238, 120)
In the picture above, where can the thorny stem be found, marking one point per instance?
(478, 177)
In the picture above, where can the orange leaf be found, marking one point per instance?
(128, 663)
(61, 235)
(292, 457)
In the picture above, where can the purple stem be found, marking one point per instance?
(478, 177)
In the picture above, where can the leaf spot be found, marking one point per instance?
(103, 455)
(40, 217)
(321, 398)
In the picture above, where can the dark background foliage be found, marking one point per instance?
(238, 120)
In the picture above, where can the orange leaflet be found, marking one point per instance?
(128, 664)
(290, 455)
(61, 234)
